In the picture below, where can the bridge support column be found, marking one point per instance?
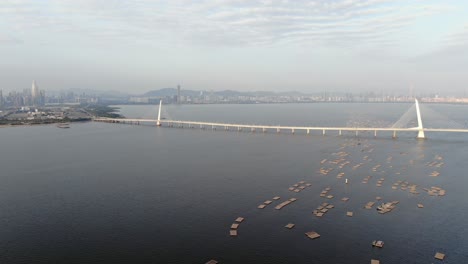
(278, 130)
(264, 130)
(323, 132)
(339, 133)
(357, 133)
(375, 133)
(292, 130)
(308, 131)
(394, 134)
(252, 129)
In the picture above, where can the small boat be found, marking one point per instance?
(377, 243)
(63, 125)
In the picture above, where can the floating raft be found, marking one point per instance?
(439, 256)
(420, 206)
(290, 225)
(312, 235)
(374, 261)
(234, 226)
(212, 262)
(261, 206)
(276, 198)
(378, 243)
(350, 214)
(369, 205)
(233, 232)
(239, 219)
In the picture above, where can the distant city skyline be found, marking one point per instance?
(308, 46)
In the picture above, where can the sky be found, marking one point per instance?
(134, 46)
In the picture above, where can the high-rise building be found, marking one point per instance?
(178, 93)
(35, 93)
(34, 90)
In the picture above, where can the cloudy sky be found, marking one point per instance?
(310, 46)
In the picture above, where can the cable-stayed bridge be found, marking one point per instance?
(399, 126)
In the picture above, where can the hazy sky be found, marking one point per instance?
(321, 45)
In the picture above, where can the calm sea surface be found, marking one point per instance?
(115, 193)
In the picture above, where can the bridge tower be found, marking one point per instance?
(420, 125)
(158, 123)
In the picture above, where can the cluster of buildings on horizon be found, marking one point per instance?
(204, 97)
(36, 98)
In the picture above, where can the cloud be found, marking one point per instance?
(220, 22)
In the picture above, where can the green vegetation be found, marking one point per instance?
(102, 111)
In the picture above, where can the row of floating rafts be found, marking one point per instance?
(389, 159)
(299, 186)
(435, 164)
(267, 202)
(283, 204)
(435, 191)
(340, 175)
(325, 192)
(380, 182)
(366, 179)
(357, 166)
(434, 174)
(324, 171)
(344, 164)
(387, 207)
(235, 225)
(323, 209)
(369, 205)
(374, 169)
(323, 161)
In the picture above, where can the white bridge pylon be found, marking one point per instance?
(420, 124)
(158, 123)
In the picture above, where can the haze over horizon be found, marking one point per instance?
(306, 46)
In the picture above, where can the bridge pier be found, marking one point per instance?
(375, 133)
(339, 133)
(357, 133)
(292, 130)
(308, 131)
(252, 129)
(394, 134)
(277, 130)
(263, 130)
(323, 132)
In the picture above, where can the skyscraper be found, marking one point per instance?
(36, 95)
(178, 94)
(34, 90)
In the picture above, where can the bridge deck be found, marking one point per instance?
(278, 127)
